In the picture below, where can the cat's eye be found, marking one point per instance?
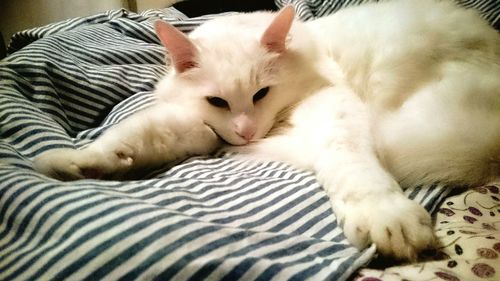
(218, 102)
(260, 94)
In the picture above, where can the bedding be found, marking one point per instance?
(207, 218)
(468, 230)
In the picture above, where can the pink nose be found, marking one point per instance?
(245, 126)
(247, 134)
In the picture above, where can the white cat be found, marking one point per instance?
(404, 92)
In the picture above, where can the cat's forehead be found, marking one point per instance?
(237, 72)
(241, 23)
(230, 38)
(231, 55)
(231, 85)
(238, 62)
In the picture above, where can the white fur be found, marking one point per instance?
(402, 92)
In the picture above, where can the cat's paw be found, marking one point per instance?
(58, 164)
(70, 164)
(398, 226)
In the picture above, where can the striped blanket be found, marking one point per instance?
(204, 219)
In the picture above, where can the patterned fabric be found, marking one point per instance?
(468, 229)
(208, 218)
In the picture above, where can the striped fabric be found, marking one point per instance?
(205, 219)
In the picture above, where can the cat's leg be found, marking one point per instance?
(331, 135)
(145, 140)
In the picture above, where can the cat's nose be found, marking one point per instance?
(245, 126)
(247, 134)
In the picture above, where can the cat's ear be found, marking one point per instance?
(182, 51)
(274, 38)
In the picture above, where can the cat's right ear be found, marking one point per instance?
(182, 51)
(275, 37)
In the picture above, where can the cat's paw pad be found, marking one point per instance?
(398, 226)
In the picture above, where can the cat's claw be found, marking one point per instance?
(398, 226)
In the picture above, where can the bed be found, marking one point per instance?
(207, 218)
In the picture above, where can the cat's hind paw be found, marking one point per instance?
(398, 226)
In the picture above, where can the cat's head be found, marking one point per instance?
(231, 71)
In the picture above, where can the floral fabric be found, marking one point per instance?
(468, 229)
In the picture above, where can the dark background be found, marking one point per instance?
(194, 8)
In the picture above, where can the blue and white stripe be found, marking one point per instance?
(205, 219)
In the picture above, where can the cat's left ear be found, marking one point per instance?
(182, 51)
(274, 38)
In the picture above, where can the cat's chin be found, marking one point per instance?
(241, 142)
(235, 140)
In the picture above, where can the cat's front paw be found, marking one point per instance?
(58, 164)
(398, 226)
(70, 164)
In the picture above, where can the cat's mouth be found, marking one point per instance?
(245, 142)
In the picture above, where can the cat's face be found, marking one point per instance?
(228, 72)
(235, 93)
